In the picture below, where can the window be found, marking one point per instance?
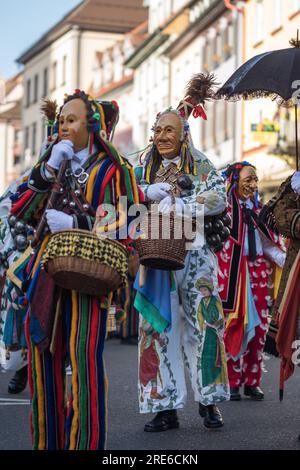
(45, 82)
(230, 112)
(34, 138)
(217, 50)
(259, 21)
(207, 56)
(295, 6)
(54, 73)
(26, 138)
(228, 41)
(220, 121)
(28, 90)
(277, 14)
(44, 129)
(35, 88)
(64, 70)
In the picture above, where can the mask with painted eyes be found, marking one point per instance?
(73, 124)
(248, 183)
(167, 135)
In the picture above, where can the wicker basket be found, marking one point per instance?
(81, 261)
(157, 251)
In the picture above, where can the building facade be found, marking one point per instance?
(64, 59)
(114, 81)
(188, 37)
(269, 131)
(11, 95)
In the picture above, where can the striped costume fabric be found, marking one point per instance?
(75, 420)
(73, 416)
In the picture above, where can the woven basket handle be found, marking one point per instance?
(173, 203)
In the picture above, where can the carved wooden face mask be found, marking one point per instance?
(167, 135)
(248, 182)
(73, 124)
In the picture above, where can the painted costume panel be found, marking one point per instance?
(194, 338)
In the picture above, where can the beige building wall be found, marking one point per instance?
(73, 54)
(10, 135)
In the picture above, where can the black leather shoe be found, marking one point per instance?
(235, 394)
(202, 410)
(213, 418)
(255, 393)
(19, 381)
(163, 421)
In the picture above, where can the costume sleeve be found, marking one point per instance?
(7, 246)
(212, 189)
(272, 251)
(84, 222)
(39, 180)
(287, 215)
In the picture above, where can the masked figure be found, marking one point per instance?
(64, 326)
(282, 213)
(245, 281)
(188, 322)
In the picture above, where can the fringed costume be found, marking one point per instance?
(282, 213)
(245, 285)
(65, 327)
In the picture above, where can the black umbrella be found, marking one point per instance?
(272, 74)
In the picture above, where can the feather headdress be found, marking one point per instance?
(49, 110)
(198, 90)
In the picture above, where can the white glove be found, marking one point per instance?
(295, 182)
(281, 259)
(58, 220)
(165, 205)
(60, 151)
(158, 191)
(211, 199)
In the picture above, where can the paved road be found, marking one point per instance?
(248, 425)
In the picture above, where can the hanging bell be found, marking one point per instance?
(12, 220)
(224, 233)
(207, 228)
(184, 182)
(20, 227)
(226, 219)
(218, 225)
(65, 201)
(13, 232)
(21, 242)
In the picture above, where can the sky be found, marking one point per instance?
(22, 23)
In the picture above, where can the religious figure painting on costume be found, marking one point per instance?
(210, 317)
(150, 362)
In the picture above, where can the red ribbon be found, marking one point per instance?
(198, 111)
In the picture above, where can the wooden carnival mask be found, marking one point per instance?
(73, 124)
(248, 182)
(167, 135)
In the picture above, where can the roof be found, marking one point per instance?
(108, 16)
(12, 82)
(12, 113)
